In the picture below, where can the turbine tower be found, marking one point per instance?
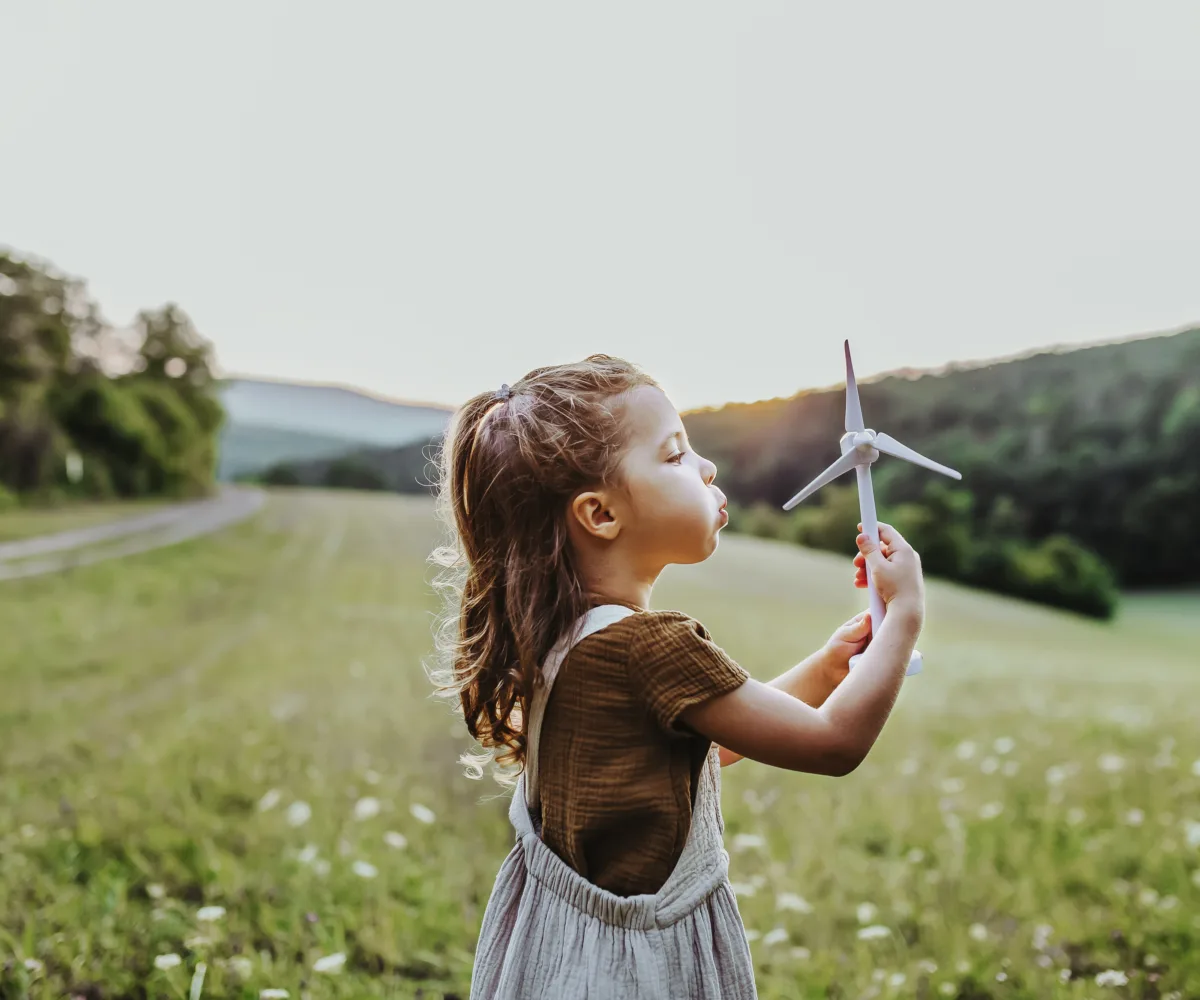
(860, 448)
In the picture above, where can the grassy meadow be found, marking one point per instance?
(221, 773)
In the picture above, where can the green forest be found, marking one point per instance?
(1081, 469)
(90, 410)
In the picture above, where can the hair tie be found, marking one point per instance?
(504, 392)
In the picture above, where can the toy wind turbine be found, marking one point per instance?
(861, 447)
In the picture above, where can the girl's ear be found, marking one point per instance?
(593, 512)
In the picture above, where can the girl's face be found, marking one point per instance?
(675, 510)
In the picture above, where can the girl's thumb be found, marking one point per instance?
(870, 551)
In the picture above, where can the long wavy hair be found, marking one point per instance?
(510, 465)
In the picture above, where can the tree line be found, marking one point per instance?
(91, 410)
(1081, 469)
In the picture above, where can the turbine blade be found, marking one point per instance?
(843, 465)
(890, 446)
(854, 417)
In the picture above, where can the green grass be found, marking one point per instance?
(152, 707)
(28, 522)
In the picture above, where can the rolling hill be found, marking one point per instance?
(269, 422)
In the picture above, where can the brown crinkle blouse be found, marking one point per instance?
(617, 769)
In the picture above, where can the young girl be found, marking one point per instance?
(567, 495)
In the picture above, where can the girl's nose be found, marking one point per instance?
(708, 471)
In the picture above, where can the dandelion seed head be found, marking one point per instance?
(1003, 744)
(1191, 833)
(978, 932)
(990, 810)
(965, 750)
(155, 891)
(1135, 817)
(866, 912)
(947, 989)
(897, 979)
(1111, 763)
(989, 765)
(395, 840)
(422, 814)
(364, 869)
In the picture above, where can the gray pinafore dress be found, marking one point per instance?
(549, 934)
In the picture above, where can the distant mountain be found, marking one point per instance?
(271, 422)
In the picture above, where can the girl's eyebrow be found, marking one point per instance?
(670, 438)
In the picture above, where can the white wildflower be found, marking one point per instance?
(270, 799)
(915, 856)
(1075, 816)
(866, 912)
(1191, 833)
(874, 932)
(800, 954)
(928, 966)
(34, 967)
(167, 961)
(752, 934)
(947, 989)
(210, 913)
(989, 765)
(422, 814)
(321, 866)
(155, 891)
(1135, 817)
(1003, 745)
(1148, 897)
(909, 766)
(1001, 977)
(1150, 961)
(965, 750)
(1057, 774)
(366, 807)
(1041, 936)
(775, 936)
(978, 932)
(28, 831)
(240, 966)
(299, 813)
(1196, 768)
(1111, 763)
(952, 786)
(1168, 903)
(990, 810)
(395, 840)
(748, 842)
(330, 963)
(364, 869)
(1044, 961)
(897, 979)
(743, 888)
(1112, 977)
(371, 777)
(273, 994)
(308, 854)
(792, 901)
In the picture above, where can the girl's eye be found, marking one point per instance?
(677, 458)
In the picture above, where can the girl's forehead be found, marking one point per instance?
(650, 416)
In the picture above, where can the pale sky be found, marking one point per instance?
(426, 200)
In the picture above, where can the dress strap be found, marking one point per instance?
(593, 621)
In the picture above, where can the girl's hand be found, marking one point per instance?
(848, 639)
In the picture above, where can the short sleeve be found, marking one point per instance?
(674, 664)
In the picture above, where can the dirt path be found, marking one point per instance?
(129, 536)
